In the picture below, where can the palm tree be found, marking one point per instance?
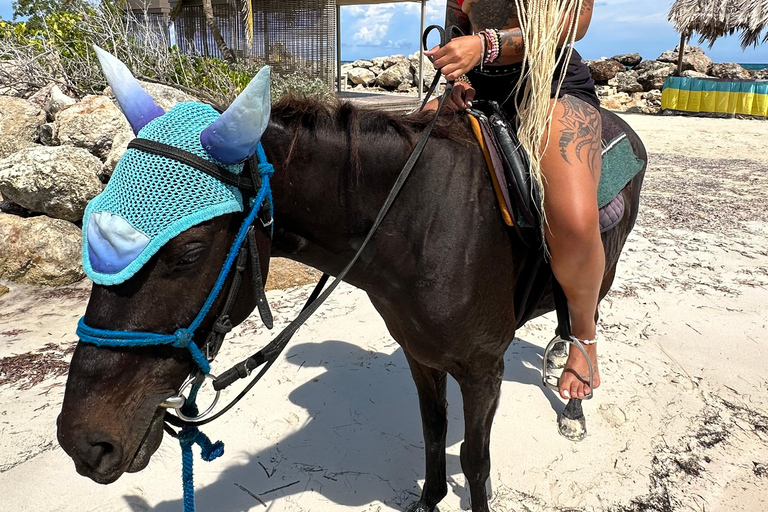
(226, 52)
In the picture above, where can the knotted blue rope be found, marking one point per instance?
(184, 338)
(188, 436)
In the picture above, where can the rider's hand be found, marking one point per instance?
(460, 99)
(457, 57)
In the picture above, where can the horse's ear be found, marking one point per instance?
(234, 136)
(137, 105)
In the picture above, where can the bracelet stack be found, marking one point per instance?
(492, 46)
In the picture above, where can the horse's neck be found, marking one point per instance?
(324, 207)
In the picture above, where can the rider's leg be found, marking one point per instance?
(571, 168)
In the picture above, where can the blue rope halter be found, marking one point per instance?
(184, 338)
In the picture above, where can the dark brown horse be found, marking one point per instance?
(441, 271)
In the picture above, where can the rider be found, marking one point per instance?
(570, 164)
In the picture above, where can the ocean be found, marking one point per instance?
(754, 66)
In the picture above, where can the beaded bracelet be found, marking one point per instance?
(494, 45)
(464, 78)
(482, 49)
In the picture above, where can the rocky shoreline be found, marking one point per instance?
(625, 83)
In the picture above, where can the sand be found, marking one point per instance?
(680, 422)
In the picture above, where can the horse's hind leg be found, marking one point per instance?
(480, 386)
(430, 384)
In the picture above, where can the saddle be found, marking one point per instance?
(509, 168)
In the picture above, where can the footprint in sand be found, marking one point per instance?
(613, 415)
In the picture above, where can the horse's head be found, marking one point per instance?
(154, 243)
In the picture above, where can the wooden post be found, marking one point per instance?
(421, 49)
(338, 48)
(681, 53)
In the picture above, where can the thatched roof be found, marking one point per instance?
(712, 19)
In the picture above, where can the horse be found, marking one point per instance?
(441, 271)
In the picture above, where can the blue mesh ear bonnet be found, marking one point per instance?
(150, 199)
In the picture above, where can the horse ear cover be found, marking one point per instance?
(151, 199)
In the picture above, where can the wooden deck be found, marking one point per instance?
(382, 101)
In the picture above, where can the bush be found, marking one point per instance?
(57, 47)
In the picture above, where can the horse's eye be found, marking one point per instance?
(190, 256)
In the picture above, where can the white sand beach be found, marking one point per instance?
(680, 422)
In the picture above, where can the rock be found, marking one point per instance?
(3, 290)
(47, 134)
(378, 62)
(40, 251)
(19, 122)
(653, 74)
(761, 74)
(394, 75)
(164, 95)
(693, 58)
(605, 90)
(41, 97)
(729, 70)
(690, 73)
(628, 59)
(119, 146)
(604, 70)
(57, 102)
(12, 208)
(654, 95)
(361, 76)
(91, 124)
(403, 87)
(58, 181)
(626, 81)
(376, 70)
(616, 102)
(361, 63)
(392, 60)
(429, 70)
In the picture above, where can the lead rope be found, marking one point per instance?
(188, 436)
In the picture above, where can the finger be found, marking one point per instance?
(456, 97)
(432, 50)
(469, 95)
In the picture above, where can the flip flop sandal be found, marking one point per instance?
(553, 382)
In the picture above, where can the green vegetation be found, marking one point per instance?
(54, 45)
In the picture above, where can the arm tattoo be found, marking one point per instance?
(511, 42)
(492, 14)
(454, 16)
(581, 129)
(586, 7)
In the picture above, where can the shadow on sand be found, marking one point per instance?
(362, 442)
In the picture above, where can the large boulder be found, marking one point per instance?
(361, 76)
(693, 58)
(57, 181)
(362, 63)
(390, 61)
(761, 74)
(119, 147)
(19, 122)
(604, 70)
(394, 75)
(729, 70)
(57, 101)
(429, 70)
(626, 81)
(652, 74)
(40, 250)
(628, 59)
(91, 124)
(690, 73)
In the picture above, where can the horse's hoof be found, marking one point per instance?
(572, 424)
(557, 356)
(421, 506)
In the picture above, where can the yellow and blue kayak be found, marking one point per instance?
(715, 96)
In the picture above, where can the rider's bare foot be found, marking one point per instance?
(574, 381)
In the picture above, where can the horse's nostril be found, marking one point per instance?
(99, 453)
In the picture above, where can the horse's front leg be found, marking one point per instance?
(480, 384)
(430, 384)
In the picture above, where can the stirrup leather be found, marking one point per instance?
(553, 382)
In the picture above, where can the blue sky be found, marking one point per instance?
(618, 26)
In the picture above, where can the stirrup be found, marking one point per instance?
(553, 382)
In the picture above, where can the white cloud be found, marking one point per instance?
(372, 22)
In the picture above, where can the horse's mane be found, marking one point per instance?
(311, 115)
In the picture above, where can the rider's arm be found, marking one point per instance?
(512, 48)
